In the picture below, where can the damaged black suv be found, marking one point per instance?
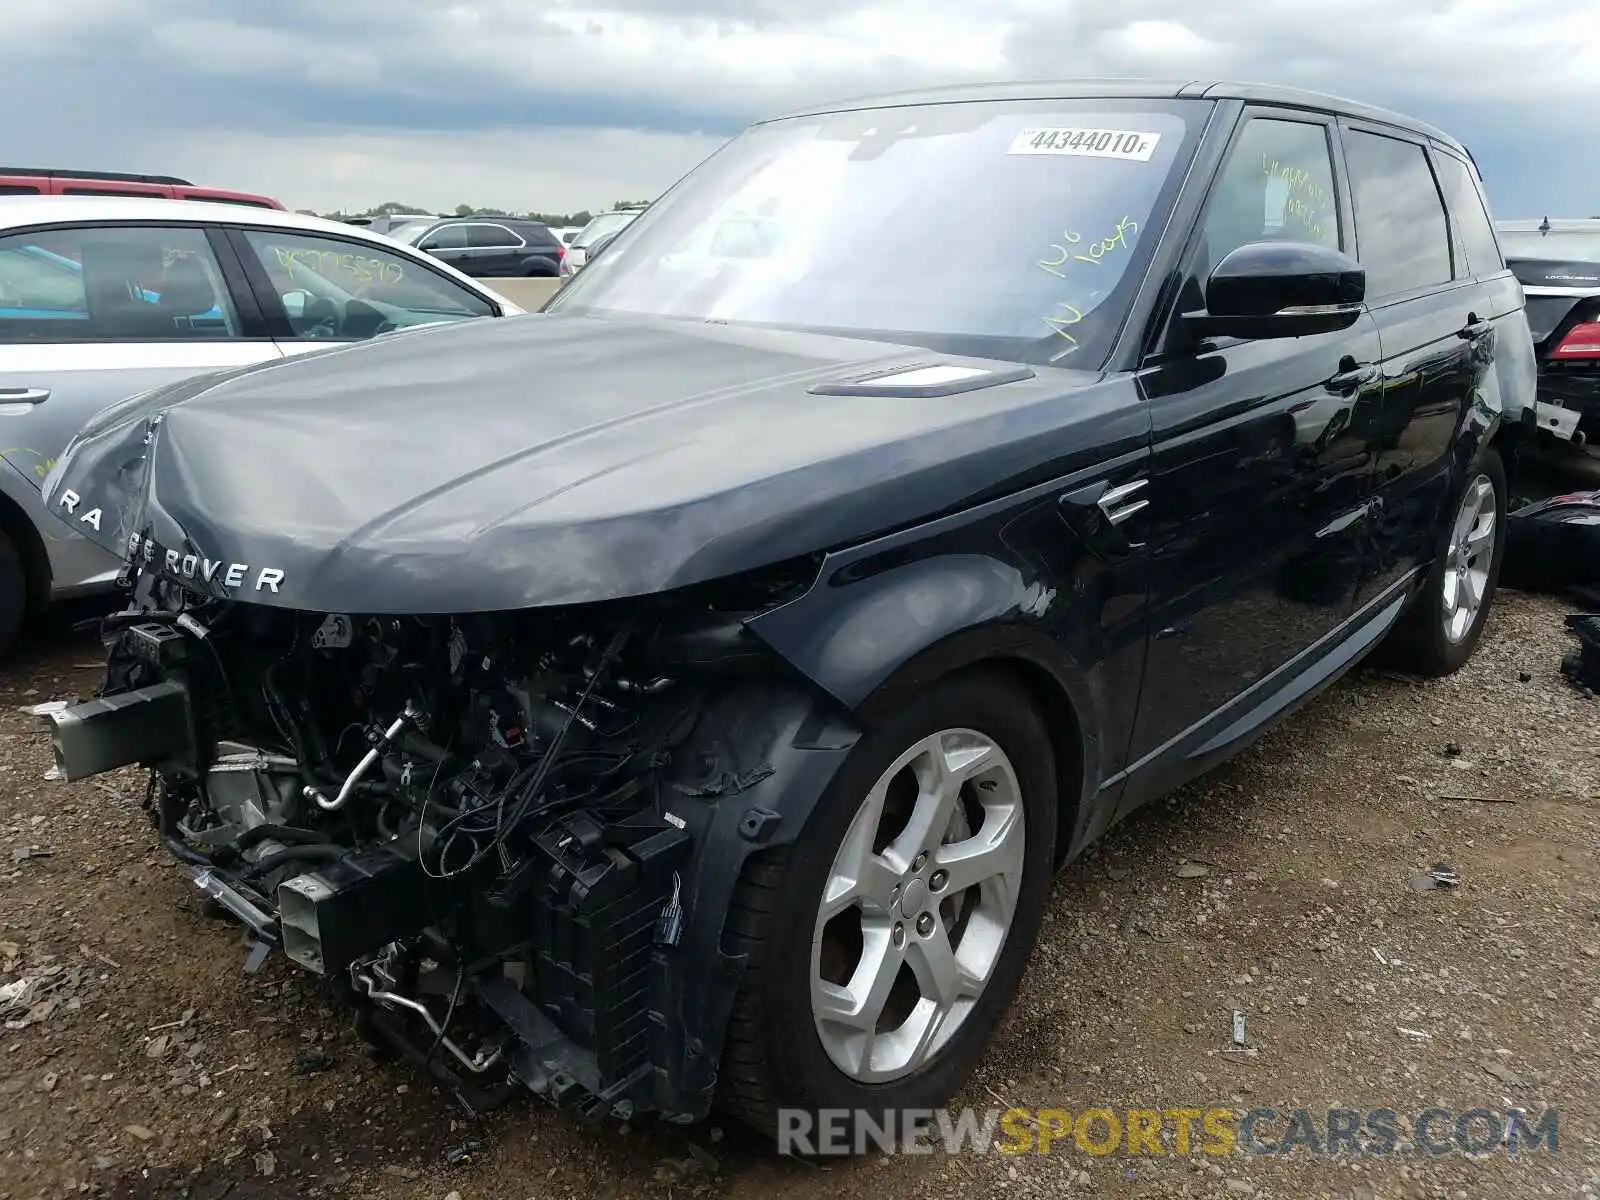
(683, 696)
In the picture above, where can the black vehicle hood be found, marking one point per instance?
(541, 459)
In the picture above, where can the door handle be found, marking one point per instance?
(1474, 328)
(24, 395)
(1351, 376)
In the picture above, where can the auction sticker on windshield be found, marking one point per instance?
(1091, 143)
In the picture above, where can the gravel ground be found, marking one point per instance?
(1279, 885)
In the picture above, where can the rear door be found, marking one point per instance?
(1259, 486)
(93, 313)
(1438, 324)
(493, 251)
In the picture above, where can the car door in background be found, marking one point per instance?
(1437, 328)
(493, 251)
(315, 288)
(93, 313)
(1258, 485)
(448, 243)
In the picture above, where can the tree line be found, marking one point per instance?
(390, 207)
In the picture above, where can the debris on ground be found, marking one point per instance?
(1582, 666)
(312, 1061)
(1553, 544)
(1441, 875)
(1192, 870)
(457, 1156)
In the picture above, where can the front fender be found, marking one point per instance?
(1011, 581)
(757, 762)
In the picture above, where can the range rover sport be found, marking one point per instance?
(682, 696)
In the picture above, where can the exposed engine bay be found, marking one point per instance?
(466, 825)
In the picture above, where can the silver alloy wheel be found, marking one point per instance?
(917, 905)
(1468, 558)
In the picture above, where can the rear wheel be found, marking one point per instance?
(887, 942)
(1442, 627)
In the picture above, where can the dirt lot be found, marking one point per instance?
(161, 1071)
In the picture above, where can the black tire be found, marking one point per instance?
(773, 1057)
(13, 594)
(1418, 644)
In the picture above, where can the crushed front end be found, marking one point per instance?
(506, 840)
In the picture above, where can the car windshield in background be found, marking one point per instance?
(606, 223)
(1555, 246)
(410, 232)
(857, 224)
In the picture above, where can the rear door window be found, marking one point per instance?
(110, 284)
(491, 237)
(1472, 232)
(1401, 233)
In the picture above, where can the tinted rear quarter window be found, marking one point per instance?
(489, 236)
(1401, 234)
(1469, 220)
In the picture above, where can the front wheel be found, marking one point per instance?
(1442, 628)
(13, 594)
(885, 945)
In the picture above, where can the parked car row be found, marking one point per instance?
(683, 696)
(1558, 263)
(101, 299)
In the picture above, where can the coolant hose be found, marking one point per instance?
(326, 852)
(287, 834)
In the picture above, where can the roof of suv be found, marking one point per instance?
(1089, 89)
(34, 210)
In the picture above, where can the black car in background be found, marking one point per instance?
(489, 247)
(703, 721)
(1558, 263)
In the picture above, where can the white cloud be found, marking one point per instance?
(543, 170)
(450, 100)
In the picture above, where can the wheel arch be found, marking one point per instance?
(16, 526)
(1017, 655)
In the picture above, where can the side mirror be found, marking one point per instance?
(600, 244)
(1281, 290)
(294, 303)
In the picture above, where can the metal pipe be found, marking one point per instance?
(477, 1064)
(410, 716)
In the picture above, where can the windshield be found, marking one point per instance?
(409, 232)
(1555, 246)
(603, 224)
(861, 224)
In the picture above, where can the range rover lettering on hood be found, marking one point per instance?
(194, 567)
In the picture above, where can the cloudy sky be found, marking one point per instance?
(555, 105)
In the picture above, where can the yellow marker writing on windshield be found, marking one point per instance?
(1117, 241)
(1060, 325)
(1062, 253)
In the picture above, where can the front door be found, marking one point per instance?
(1259, 487)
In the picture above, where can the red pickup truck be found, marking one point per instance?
(42, 181)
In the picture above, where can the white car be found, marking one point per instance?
(104, 297)
(605, 225)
